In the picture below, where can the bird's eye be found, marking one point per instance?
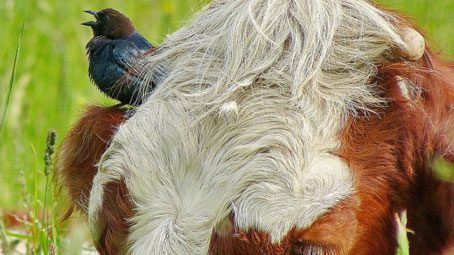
(104, 16)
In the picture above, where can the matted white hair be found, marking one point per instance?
(247, 120)
(323, 49)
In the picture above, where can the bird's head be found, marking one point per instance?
(110, 23)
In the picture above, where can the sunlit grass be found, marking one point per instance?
(13, 73)
(444, 169)
(435, 19)
(402, 232)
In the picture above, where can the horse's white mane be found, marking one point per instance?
(323, 50)
(247, 120)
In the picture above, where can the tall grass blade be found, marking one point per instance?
(4, 242)
(26, 203)
(13, 71)
(50, 148)
(35, 224)
(402, 239)
(55, 231)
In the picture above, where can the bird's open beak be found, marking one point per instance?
(91, 23)
(94, 13)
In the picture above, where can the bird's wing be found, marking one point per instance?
(127, 52)
(130, 88)
(124, 54)
(140, 42)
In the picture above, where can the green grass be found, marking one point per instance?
(45, 85)
(13, 73)
(402, 231)
(434, 17)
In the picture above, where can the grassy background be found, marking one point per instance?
(51, 84)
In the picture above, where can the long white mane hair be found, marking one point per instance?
(325, 50)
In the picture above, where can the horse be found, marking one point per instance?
(280, 127)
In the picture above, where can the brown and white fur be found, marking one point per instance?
(283, 127)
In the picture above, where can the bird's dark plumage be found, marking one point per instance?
(114, 53)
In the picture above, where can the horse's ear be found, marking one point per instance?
(438, 99)
(424, 88)
(412, 44)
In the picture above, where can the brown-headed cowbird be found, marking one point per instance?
(114, 55)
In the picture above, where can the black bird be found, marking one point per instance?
(114, 53)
